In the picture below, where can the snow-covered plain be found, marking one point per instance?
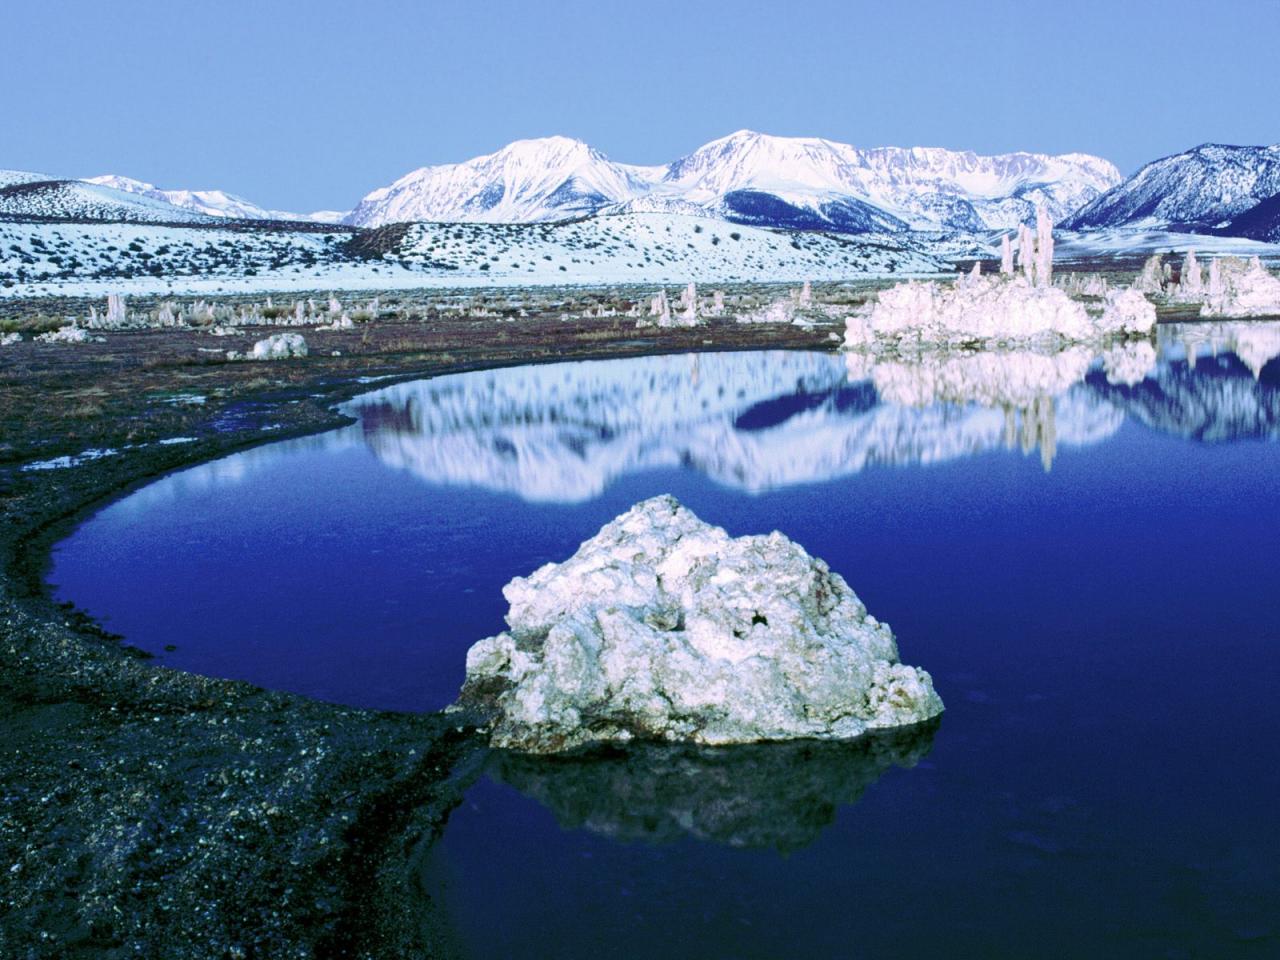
(1073, 246)
(27, 196)
(81, 259)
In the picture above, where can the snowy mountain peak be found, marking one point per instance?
(548, 178)
(1202, 188)
(752, 178)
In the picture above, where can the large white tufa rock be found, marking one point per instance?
(989, 309)
(664, 627)
(279, 346)
(1127, 311)
(1241, 288)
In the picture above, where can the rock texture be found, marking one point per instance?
(664, 627)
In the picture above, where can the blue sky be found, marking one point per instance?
(310, 105)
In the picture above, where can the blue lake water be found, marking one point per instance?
(1080, 548)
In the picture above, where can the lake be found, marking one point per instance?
(1077, 545)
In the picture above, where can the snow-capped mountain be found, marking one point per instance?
(213, 203)
(552, 178)
(1205, 188)
(921, 187)
(751, 178)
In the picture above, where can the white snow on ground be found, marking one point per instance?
(77, 200)
(658, 248)
(1128, 240)
(63, 259)
(67, 461)
(10, 177)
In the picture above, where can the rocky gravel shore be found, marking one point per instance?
(146, 812)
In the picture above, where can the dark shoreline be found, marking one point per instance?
(157, 813)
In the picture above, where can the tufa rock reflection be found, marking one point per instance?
(778, 795)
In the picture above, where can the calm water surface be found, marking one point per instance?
(1079, 548)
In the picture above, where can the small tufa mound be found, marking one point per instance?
(279, 346)
(70, 333)
(663, 627)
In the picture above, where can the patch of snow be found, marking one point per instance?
(66, 461)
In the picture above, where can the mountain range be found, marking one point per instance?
(751, 178)
(213, 203)
(748, 178)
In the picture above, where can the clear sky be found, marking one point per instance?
(309, 105)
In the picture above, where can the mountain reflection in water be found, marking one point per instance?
(754, 422)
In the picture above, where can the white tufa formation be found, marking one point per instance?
(1090, 285)
(991, 310)
(1192, 284)
(689, 305)
(781, 310)
(279, 346)
(663, 627)
(1026, 253)
(1006, 256)
(1151, 280)
(1241, 288)
(1044, 248)
(68, 334)
(117, 315)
